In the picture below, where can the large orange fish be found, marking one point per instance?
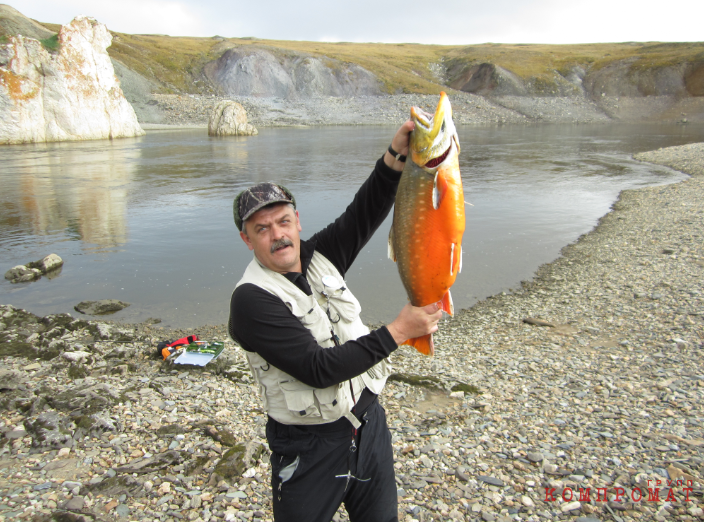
(426, 235)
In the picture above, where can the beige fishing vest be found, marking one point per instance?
(286, 399)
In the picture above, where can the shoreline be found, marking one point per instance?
(609, 396)
(467, 109)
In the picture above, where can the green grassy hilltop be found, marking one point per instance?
(176, 64)
(667, 77)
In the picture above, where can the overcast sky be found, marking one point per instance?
(445, 22)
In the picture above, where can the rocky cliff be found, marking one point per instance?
(641, 82)
(248, 71)
(62, 88)
(179, 80)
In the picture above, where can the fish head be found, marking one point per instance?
(434, 137)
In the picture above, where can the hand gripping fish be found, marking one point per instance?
(426, 235)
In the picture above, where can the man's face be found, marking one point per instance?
(273, 234)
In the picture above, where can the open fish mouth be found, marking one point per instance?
(422, 118)
(437, 161)
(432, 139)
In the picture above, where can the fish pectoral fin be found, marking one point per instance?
(439, 189)
(391, 252)
(447, 305)
(455, 258)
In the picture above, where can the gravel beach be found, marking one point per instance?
(586, 381)
(190, 109)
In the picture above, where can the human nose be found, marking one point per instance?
(277, 232)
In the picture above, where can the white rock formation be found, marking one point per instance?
(68, 94)
(230, 119)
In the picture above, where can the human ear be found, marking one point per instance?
(246, 239)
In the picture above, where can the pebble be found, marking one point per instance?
(570, 506)
(564, 407)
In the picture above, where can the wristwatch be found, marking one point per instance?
(399, 157)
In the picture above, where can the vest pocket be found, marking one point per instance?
(307, 310)
(327, 399)
(345, 305)
(375, 377)
(313, 318)
(300, 399)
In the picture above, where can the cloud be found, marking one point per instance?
(411, 21)
(176, 18)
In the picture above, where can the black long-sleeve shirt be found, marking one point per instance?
(260, 322)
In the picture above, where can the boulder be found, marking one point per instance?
(22, 274)
(102, 307)
(50, 429)
(77, 357)
(49, 263)
(230, 119)
(63, 88)
(34, 270)
(235, 461)
(10, 380)
(89, 399)
(154, 463)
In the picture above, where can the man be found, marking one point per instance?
(318, 367)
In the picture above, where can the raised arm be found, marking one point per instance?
(342, 240)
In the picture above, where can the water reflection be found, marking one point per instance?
(68, 191)
(149, 220)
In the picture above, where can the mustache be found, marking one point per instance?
(280, 243)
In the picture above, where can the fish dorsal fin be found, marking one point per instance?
(391, 252)
(439, 189)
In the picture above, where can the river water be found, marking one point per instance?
(149, 220)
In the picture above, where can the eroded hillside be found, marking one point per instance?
(623, 81)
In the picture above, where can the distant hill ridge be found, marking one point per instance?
(290, 70)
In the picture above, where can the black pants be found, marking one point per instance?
(314, 469)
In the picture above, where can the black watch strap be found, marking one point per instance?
(399, 157)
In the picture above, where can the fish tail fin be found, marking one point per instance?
(392, 253)
(423, 344)
(447, 305)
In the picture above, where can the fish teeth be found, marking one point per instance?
(422, 117)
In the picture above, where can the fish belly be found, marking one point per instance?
(427, 241)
